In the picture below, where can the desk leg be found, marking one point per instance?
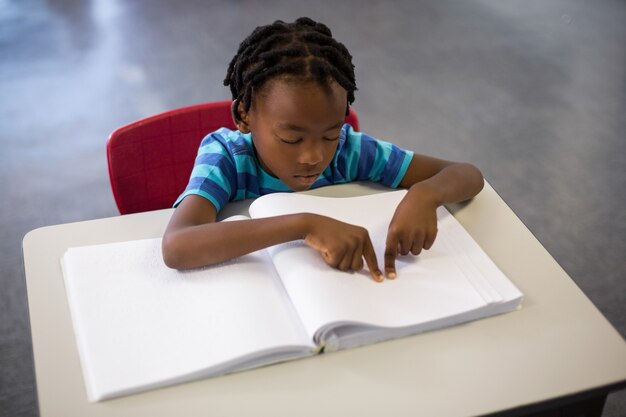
(588, 407)
(591, 407)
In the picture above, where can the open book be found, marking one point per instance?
(140, 325)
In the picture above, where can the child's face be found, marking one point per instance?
(295, 128)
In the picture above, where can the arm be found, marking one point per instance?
(431, 182)
(193, 238)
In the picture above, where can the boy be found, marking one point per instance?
(292, 85)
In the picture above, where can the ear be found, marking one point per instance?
(240, 117)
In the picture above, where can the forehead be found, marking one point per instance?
(293, 98)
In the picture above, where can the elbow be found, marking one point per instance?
(474, 179)
(479, 179)
(173, 252)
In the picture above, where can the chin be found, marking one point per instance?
(299, 187)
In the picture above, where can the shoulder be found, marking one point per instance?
(364, 141)
(228, 141)
(223, 154)
(348, 139)
(351, 136)
(354, 142)
(348, 133)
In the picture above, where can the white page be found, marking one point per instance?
(486, 275)
(141, 325)
(429, 286)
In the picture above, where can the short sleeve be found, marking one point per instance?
(364, 158)
(214, 175)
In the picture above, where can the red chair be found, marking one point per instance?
(150, 160)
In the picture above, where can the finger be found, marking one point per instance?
(372, 262)
(346, 261)
(430, 239)
(357, 259)
(404, 246)
(416, 248)
(391, 253)
(417, 243)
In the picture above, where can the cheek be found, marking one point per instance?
(279, 158)
(331, 148)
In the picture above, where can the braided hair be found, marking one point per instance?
(304, 49)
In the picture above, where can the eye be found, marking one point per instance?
(332, 135)
(289, 141)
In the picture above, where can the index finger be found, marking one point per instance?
(372, 263)
(391, 253)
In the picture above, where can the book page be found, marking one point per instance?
(141, 325)
(432, 287)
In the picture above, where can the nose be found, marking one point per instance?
(311, 154)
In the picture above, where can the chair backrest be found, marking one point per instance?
(150, 160)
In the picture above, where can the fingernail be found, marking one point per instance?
(380, 277)
(391, 275)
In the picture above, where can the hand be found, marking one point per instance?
(412, 228)
(342, 245)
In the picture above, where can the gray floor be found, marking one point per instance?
(533, 92)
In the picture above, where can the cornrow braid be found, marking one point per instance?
(304, 49)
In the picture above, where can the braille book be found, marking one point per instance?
(140, 325)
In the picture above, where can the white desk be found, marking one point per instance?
(556, 350)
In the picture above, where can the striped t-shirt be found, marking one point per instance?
(227, 169)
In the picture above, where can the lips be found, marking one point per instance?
(307, 178)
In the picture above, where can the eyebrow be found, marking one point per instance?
(296, 128)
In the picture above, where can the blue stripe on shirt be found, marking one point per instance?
(394, 163)
(227, 169)
(208, 189)
(215, 173)
(247, 183)
(367, 160)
